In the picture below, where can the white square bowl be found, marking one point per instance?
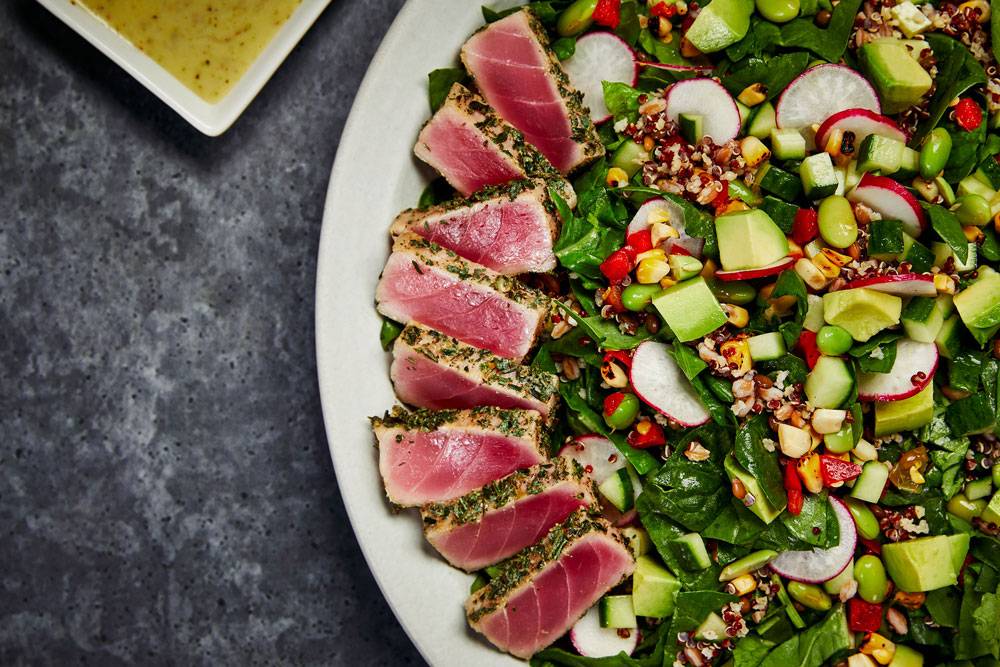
(211, 119)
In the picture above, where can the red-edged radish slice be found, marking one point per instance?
(822, 91)
(904, 284)
(693, 69)
(599, 57)
(710, 100)
(912, 371)
(592, 641)
(862, 123)
(656, 208)
(659, 382)
(762, 272)
(685, 245)
(596, 454)
(892, 200)
(818, 565)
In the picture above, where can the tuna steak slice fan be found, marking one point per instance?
(423, 282)
(542, 591)
(510, 229)
(431, 456)
(492, 523)
(522, 79)
(472, 147)
(432, 370)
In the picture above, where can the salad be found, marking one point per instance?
(697, 332)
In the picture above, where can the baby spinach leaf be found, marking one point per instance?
(789, 283)
(547, 11)
(763, 465)
(750, 651)
(964, 150)
(816, 645)
(762, 36)
(621, 99)
(775, 72)
(439, 83)
(946, 225)
(693, 607)
(828, 43)
(437, 191)
(690, 492)
(664, 52)
(885, 343)
(964, 371)
(812, 525)
(957, 72)
(584, 244)
(689, 361)
(629, 28)
(735, 524)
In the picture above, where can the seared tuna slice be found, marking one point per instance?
(522, 79)
(430, 456)
(472, 147)
(488, 525)
(543, 590)
(509, 229)
(432, 370)
(423, 282)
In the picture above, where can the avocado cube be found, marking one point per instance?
(906, 657)
(900, 80)
(992, 512)
(922, 564)
(819, 179)
(721, 25)
(911, 20)
(905, 415)
(654, 589)
(979, 304)
(880, 154)
(690, 309)
(749, 240)
(959, 550)
(861, 311)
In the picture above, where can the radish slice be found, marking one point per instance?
(818, 565)
(904, 284)
(707, 98)
(659, 382)
(892, 200)
(685, 245)
(596, 454)
(862, 123)
(822, 91)
(600, 56)
(662, 208)
(762, 272)
(904, 379)
(592, 641)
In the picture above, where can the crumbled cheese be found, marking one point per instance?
(877, 353)
(911, 20)
(621, 125)
(779, 380)
(769, 444)
(914, 528)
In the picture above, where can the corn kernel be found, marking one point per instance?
(667, 282)
(996, 223)
(688, 50)
(736, 315)
(828, 421)
(834, 142)
(782, 305)
(648, 144)
(660, 232)
(972, 233)
(794, 249)
(944, 284)
(984, 9)
(658, 215)
(651, 271)
(743, 584)
(735, 205)
(617, 178)
(879, 648)
(809, 471)
(794, 442)
(826, 267)
(753, 94)
(811, 274)
(736, 352)
(754, 151)
(655, 253)
(836, 257)
(708, 269)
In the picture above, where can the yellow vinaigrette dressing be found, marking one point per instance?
(206, 44)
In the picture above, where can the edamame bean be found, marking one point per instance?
(966, 509)
(737, 292)
(747, 564)
(624, 415)
(972, 210)
(636, 297)
(810, 595)
(863, 517)
(873, 585)
(837, 224)
(779, 11)
(832, 340)
(934, 153)
(390, 330)
(576, 18)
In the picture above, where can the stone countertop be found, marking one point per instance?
(166, 492)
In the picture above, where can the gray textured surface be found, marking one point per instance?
(166, 494)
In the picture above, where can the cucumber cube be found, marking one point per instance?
(780, 211)
(813, 321)
(919, 256)
(885, 240)
(871, 482)
(618, 490)
(763, 121)
(829, 383)
(943, 251)
(819, 179)
(788, 144)
(692, 126)
(781, 183)
(767, 346)
(616, 611)
(923, 316)
(949, 338)
(691, 552)
(909, 166)
(882, 154)
(970, 185)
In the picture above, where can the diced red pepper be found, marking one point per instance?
(968, 115)
(871, 545)
(722, 199)
(663, 9)
(640, 241)
(793, 487)
(613, 298)
(806, 345)
(805, 226)
(608, 13)
(612, 401)
(618, 264)
(647, 433)
(837, 470)
(863, 616)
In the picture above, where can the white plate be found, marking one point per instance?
(374, 177)
(212, 119)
